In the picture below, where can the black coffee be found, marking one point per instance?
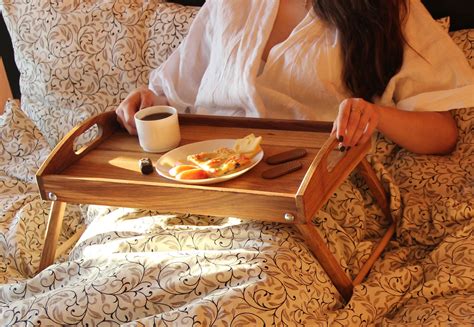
(157, 116)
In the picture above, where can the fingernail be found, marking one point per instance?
(342, 148)
(340, 138)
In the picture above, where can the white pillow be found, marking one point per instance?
(77, 59)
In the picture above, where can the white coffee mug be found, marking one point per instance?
(158, 128)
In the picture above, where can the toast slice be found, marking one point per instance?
(225, 160)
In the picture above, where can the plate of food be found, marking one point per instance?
(211, 161)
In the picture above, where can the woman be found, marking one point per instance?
(355, 62)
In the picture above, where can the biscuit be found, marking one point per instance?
(286, 156)
(282, 169)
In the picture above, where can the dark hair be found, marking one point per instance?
(371, 39)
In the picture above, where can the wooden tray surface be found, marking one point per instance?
(117, 158)
(107, 172)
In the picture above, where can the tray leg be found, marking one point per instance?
(70, 242)
(375, 186)
(375, 255)
(53, 229)
(327, 260)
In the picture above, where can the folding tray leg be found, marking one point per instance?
(375, 186)
(327, 260)
(53, 228)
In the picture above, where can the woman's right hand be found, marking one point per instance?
(356, 121)
(136, 100)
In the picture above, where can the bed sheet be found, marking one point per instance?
(137, 267)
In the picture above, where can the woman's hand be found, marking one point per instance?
(424, 132)
(356, 122)
(137, 99)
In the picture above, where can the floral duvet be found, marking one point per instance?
(146, 268)
(141, 267)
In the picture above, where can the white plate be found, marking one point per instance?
(169, 159)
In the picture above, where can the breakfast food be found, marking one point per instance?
(248, 146)
(178, 169)
(219, 162)
(283, 169)
(286, 156)
(194, 173)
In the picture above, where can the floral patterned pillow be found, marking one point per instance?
(78, 58)
(465, 40)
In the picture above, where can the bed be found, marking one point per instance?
(147, 268)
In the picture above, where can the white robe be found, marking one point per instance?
(215, 69)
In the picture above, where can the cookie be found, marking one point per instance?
(286, 156)
(282, 169)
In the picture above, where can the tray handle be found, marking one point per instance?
(325, 175)
(63, 155)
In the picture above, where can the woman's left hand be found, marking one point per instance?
(356, 122)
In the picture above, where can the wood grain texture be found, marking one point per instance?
(107, 173)
(63, 155)
(113, 160)
(375, 186)
(206, 200)
(326, 259)
(377, 190)
(257, 123)
(53, 228)
(376, 253)
(70, 242)
(323, 176)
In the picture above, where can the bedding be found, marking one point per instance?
(144, 268)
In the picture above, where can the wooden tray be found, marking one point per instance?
(106, 172)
